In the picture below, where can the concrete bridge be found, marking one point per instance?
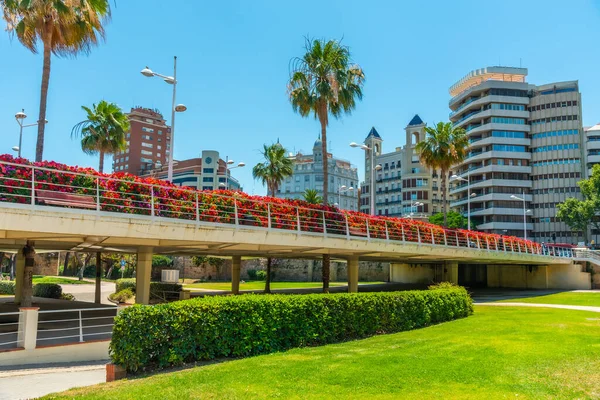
(56, 211)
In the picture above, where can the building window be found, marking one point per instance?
(206, 187)
(146, 137)
(147, 153)
(149, 145)
(208, 170)
(149, 130)
(146, 160)
(160, 132)
(207, 179)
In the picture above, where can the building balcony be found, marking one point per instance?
(491, 183)
(498, 127)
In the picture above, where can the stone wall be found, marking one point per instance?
(282, 270)
(46, 264)
(595, 271)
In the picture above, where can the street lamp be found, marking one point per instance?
(415, 205)
(525, 211)
(20, 116)
(229, 162)
(372, 188)
(343, 189)
(172, 80)
(468, 180)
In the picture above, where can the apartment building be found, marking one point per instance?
(308, 174)
(592, 135)
(526, 152)
(403, 186)
(148, 143)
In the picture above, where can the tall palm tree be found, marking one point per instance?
(271, 172)
(274, 169)
(103, 132)
(325, 82)
(312, 196)
(64, 27)
(443, 147)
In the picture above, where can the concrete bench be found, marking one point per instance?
(52, 198)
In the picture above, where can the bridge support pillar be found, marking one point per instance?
(451, 272)
(19, 275)
(353, 275)
(142, 275)
(236, 264)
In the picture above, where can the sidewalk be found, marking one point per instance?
(35, 381)
(563, 306)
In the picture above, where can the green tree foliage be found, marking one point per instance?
(162, 261)
(444, 146)
(103, 132)
(580, 214)
(64, 27)
(454, 220)
(274, 169)
(312, 196)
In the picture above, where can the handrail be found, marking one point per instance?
(161, 200)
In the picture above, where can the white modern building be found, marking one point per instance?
(308, 174)
(526, 152)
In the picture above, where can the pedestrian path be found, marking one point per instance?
(563, 306)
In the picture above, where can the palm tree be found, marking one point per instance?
(103, 132)
(443, 147)
(311, 196)
(275, 168)
(271, 172)
(322, 82)
(64, 27)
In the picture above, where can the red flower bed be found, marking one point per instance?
(131, 194)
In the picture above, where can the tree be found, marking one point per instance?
(577, 214)
(312, 196)
(443, 147)
(324, 82)
(454, 220)
(64, 27)
(274, 169)
(271, 172)
(103, 132)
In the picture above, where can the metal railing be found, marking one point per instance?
(592, 255)
(32, 187)
(9, 330)
(75, 326)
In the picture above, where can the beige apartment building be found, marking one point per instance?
(526, 155)
(403, 186)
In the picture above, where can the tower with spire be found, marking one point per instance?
(374, 142)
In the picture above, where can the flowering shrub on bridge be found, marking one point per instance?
(125, 193)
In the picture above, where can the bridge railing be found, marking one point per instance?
(42, 186)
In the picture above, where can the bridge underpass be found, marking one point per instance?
(56, 228)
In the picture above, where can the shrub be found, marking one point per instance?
(235, 326)
(156, 288)
(122, 296)
(251, 274)
(443, 285)
(261, 275)
(47, 290)
(127, 283)
(7, 287)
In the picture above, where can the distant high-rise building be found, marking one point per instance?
(526, 142)
(592, 136)
(148, 143)
(308, 174)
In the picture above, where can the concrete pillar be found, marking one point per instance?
(142, 275)
(353, 275)
(451, 272)
(19, 275)
(236, 263)
(28, 326)
(98, 293)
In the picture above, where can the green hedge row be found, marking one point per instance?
(48, 290)
(156, 288)
(147, 337)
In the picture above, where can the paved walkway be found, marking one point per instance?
(35, 381)
(87, 292)
(563, 306)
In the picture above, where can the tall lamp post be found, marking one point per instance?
(172, 80)
(525, 211)
(468, 180)
(229, 162)
(416, 205)
(20, 116)
(373, 168)
(343, 189)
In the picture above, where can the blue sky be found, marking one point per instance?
(233, 65)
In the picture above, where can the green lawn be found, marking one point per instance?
(497, 353)
(568, 298)
(259, 285)
(59, 279)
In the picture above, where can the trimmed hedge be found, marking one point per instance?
(156, 288)
(7, 287)
(47, 290)
(147, 337)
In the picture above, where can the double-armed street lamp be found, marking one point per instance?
(20, 116)
(229, 162)
(525, 211)
(172, 80)
(469, 195)
(373, 169)
(343, 189)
